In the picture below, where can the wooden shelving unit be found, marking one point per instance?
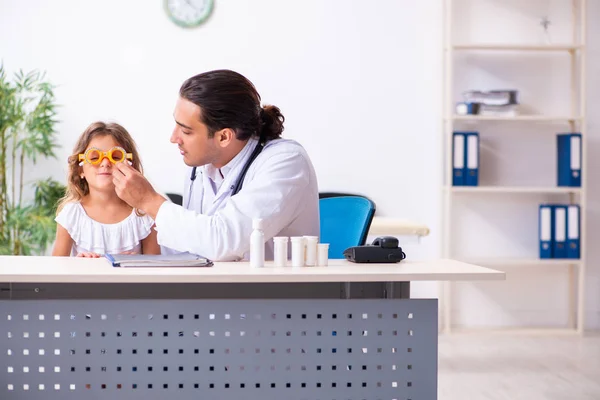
(575, 118)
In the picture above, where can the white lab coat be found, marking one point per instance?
(280, 187)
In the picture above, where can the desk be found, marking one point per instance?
(78, 328)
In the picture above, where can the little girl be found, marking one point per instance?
(92, 219)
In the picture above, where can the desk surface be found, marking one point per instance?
(18, 269)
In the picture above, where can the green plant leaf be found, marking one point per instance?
(28, 116)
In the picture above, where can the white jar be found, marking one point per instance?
(297, 251)
(323, 254)
(280, 251)
(311, 250)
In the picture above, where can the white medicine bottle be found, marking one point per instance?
(257, 244)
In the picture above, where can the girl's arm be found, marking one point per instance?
(150, 243)
(63, 243)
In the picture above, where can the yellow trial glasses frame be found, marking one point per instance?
(94, 156)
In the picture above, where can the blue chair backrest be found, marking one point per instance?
(345, 222)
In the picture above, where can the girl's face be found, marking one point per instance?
(99, 176)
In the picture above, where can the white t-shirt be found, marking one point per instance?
(92, 236)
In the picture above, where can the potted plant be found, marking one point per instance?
(27, 120)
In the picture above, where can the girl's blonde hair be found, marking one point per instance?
(77, 188)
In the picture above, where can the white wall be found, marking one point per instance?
(358, 82)
(356, 88)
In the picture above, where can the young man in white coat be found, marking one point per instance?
(240, 169)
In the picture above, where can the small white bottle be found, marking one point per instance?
(280, 251)
(311, 250)
(257, 245)
(298, 251)
(323, 254)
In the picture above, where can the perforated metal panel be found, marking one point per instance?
(218, 349)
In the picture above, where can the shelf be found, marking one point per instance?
(466, 67)
(511, 262)
(532, 118)
(516, 47)
(514, 189)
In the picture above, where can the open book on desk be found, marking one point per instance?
(157, 260)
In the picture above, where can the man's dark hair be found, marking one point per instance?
(228, 100)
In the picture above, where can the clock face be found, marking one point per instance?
(188, 13)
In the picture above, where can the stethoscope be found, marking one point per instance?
(238, 185)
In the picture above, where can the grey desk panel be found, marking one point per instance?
(373, 349)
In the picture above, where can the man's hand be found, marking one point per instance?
(135, 190)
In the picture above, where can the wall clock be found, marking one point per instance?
(188, 13)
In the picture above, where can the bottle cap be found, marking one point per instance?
(257, 223)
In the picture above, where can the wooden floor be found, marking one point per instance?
(518, 367)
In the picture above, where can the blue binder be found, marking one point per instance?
(573, 231)
(568, 147)
(458, 158)
(560, 231)
(472, 153)
(545, 231)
